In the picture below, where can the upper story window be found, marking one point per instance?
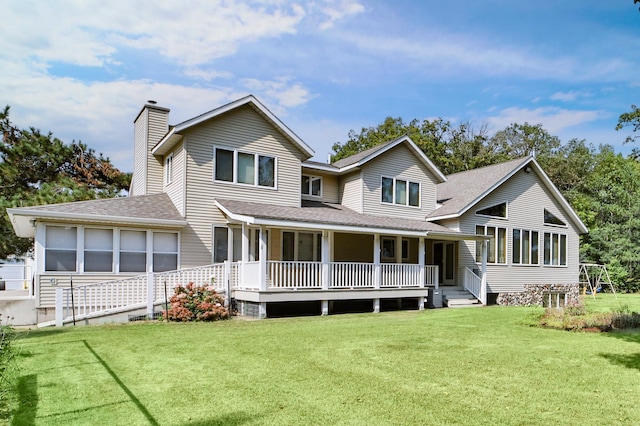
(168, 169)
(311, 185)
(244, 167)
(499, 211)
(525, 247)
(400, 191)
(551, 219)
(555, 249)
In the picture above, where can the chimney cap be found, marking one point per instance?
(152, 102)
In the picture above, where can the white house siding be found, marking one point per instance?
(175, 189)
(527, 198)
(245, 129)
(351, 191)
(46, 291)
(400, 162)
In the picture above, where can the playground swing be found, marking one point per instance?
(592, 279)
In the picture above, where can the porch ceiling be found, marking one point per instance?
(335, 217)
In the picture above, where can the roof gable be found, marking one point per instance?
(174, 134)
(464, 190)
(360, 159)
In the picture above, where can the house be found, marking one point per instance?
(231, 197)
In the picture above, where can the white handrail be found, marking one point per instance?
(475, 285)
(294, 275)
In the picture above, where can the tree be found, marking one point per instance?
(36, 168)
(631, 118)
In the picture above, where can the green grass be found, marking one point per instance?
(445, 366)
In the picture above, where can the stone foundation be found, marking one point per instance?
(542, 295)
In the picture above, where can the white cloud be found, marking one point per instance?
(552, 119)
(566, 96)
(286, 94)
(335, 10)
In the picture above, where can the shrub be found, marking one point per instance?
(196, 303)
(7, 369)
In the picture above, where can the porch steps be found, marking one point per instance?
(459, 298)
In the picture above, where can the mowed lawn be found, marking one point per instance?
(445, 366)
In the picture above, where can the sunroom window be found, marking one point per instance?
(133, 251)
(60, 248)
(98, 250)
(165, 251)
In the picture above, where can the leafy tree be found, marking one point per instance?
(36, 168)
(631, 118)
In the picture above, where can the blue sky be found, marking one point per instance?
(83, 69)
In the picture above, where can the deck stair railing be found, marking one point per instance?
(476, 285)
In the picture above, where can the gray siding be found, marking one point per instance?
(158, 126)
(527, 198)
(176, 189)
(150, 127)
(139, 181)
(351, 191)
(400, 162)
(242, 128)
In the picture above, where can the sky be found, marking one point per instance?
(83, 69)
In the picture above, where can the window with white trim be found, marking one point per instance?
(165, 251)
(497, 245)
(525, 247)
(168, 169)
(301, 246)
(400, 191)
(551, 219)
(311, 185)
(555, 249)
(220, 244)
(98, 250)
(60, 246)
(133, 251)
(498, 210)
(244, 168)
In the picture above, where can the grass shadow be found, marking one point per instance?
(631, 361)
(232, 419)
(27, 387)
(124, 387)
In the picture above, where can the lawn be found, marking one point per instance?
(445, 366)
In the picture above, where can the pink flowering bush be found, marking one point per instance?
(196, 303)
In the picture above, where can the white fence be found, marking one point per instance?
(147, 290)
(475, 285)
(16, 276)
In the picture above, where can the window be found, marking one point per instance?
(311, 185)
(133, 251)
(555, 249)
(499, 210)
(165, 251)
(243, 167)
(497, 245)
(301, 246)
(554, 299)
(98, 250)
(525, 247)
(220, 244)
(551, 219)
(168, 169)
(401, 192)
(60, 248)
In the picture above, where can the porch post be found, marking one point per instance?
(244, 254)
(483, 283)
(376, 261)
(421, 256)
(326, 276)
(376, 306)
(262, 310)
(151, 292)
(325, 307)
(262, 249)
(398, 249)
(59, 307)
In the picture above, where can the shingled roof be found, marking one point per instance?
(328, 216)
(155, 210)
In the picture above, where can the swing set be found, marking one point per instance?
(593, 277)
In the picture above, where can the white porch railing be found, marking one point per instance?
(294, 275)
(475, 285)
(150, 289)
(351, 275)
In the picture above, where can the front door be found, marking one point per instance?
(444, 257)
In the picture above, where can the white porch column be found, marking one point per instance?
(59, 307)
(151, 293)
(325, 308)
(398, 249)
(262, 310)
(244, 254)
(262, 249)
(376, 306)
(421, 256)
(483, 284)
(376, 262)
(326, 276)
